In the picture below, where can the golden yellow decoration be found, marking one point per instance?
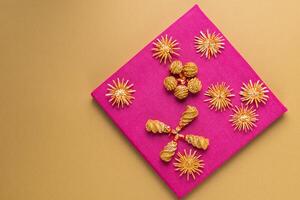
(189, 164)
(244, 118)
(181, 92)
(170, 83)
(183, 80)
(194, 85)
(209, 44)
(187, 116)
(156, 126)
(169, 151)
(176, 67)
(219, 96)
(190, 70)
(120, 93)
(165, 48)
(254, 93)
(197, 141)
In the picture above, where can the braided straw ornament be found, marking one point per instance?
(157, 127)
(168, 151)
(187, 116)
(197, 141)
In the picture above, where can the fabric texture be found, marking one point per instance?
(152, 101)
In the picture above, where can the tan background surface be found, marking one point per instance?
(55, 143)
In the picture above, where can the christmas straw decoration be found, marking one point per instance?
(189, 164)
(183, 80)
(158, 127)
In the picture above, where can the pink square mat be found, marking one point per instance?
(152, 101)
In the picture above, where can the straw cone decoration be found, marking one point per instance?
(197, 141)
(157, 127)
(189, 115)
(169, 151)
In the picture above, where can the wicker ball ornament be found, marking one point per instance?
(176, 67)
(183, 79)
(194, 85)
(181, 92)
(170, 83)
(190, 70)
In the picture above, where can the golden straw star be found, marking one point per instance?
(244, 118)
(120, 93)
(209, 44)
(219, 96)
(254, 93)
(189, 164)
(165, 48)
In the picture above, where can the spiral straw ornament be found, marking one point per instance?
(156, 126)
(188, 115)
(197, 141)
(169, 151)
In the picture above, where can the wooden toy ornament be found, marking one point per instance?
(158, 127)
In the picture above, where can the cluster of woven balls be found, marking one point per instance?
(183, 79)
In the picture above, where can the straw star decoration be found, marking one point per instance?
(189, 164)
(120, 93)
(254, 93)
(209, 44)
(158, 127)
(219, 96)
(244, 118)
(165, 48)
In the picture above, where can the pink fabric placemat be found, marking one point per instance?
(152, 101)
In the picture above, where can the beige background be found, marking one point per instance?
(55, 143)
